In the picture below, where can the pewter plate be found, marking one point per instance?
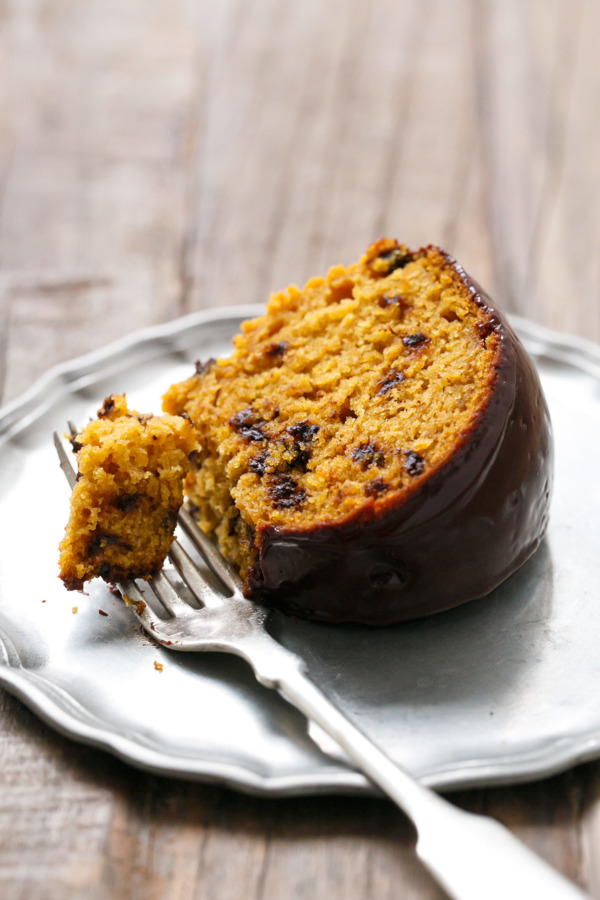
(501, 690)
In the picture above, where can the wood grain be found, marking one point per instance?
(157, 158)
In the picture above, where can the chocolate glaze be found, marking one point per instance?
(462, 530)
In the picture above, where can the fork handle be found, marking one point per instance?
(471, 856)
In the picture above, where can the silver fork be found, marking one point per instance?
(471, 856)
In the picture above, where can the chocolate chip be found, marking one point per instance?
(247, 425)
(107, 407)
(302, 431)
(414, 340)
(258, 464)
(277, 349)
(302, 458)
(391, 380)
(104, 571)
(128, 502)
(99, 541)
(302, 435)
(388, 299)
(202, 367)
(393, 259)
(95, 545)
(367, 455)
(398, 300)
(376, 487)
(413, 463)
(76, 445)
(252, 433)
(169, 520)
(243, 418)
(285, 492)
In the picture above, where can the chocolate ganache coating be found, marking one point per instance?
(460, 533)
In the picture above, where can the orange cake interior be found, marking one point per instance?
(129, 489)
(345, 394)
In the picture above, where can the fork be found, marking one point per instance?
(471, 856)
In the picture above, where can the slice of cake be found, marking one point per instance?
(129, 489)
(376, 448)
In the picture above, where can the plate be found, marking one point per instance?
(500, 690)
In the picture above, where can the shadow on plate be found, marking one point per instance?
(477, 650)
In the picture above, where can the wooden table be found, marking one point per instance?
(160, 156)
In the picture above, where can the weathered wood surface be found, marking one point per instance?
(158, 157)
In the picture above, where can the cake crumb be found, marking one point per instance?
(74, 610)
(158, 666)
(124, 505)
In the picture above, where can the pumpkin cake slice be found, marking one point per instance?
(130, 486)
(377, 446)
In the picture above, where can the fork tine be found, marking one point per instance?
(165, 592)
(209, 552)
(207, 596)
(65, 462)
